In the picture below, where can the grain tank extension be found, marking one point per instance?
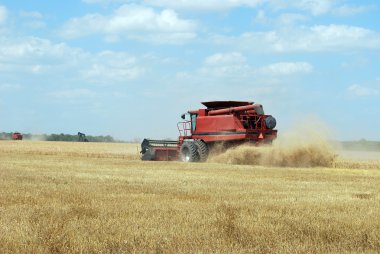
(221, 122)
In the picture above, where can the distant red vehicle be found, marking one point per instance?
(17, 136)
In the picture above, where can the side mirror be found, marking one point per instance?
(183, 116)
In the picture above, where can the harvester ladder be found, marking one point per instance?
(184, 128)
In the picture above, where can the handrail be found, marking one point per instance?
(184, 128)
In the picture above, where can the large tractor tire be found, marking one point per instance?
(202, 149)
(189, 152)
(148, 155)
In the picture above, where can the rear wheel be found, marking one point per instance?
(189, 152)
(202, 149)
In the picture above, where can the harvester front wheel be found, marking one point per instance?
(189, 152)
(202, 149)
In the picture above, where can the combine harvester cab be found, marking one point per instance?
(221, 122)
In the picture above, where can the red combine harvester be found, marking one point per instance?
(226, 122)
(17, 136)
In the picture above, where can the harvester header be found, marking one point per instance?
(227, 122)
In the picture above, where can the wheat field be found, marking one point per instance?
(58, 197)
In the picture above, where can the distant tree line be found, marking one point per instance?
(361, 145)
(58, 137)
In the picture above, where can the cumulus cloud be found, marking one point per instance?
(3, 14)
(286, 68)
(290, 18)
(360, 90)
(348, 10)
(229, 64)
(42, 57)
(109, 67)
(134, 21)
(225, 58)
(226, 71)
(31, 14)
(212, 5)
(32, 55)
(305, 39)
(316, 7)
(235, 65)
(32, 48)
(320, 7)
(285, 19)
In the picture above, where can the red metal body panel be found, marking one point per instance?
(217, 124)
(17, 136)
(233, 124)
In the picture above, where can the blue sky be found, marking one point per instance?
(130, 68)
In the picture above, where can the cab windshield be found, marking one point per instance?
(193, 118)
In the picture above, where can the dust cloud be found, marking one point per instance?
(38, 138)
(304, 145)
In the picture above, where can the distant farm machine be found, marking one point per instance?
(82, 137)
(16, 136)
(221, 122)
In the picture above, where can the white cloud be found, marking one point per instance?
(133, 21)
(36, 68)
(3, 14)
(290, 18)
(101, 73)
(32, 55)
(35, 24)
(164, 38)
(359, 90)
(112, 67)
(229, 65)
(347, 10)
(261, 18)
(42, 57)
(32, 48)
(286, 68)
(285, 19)
(305, 39)
(33, 19)
(234, 65)
(316, 7)
(31, 14)
(226, 71)
(210, 5)
(130, 17)
(320, 7)
(225, 58)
